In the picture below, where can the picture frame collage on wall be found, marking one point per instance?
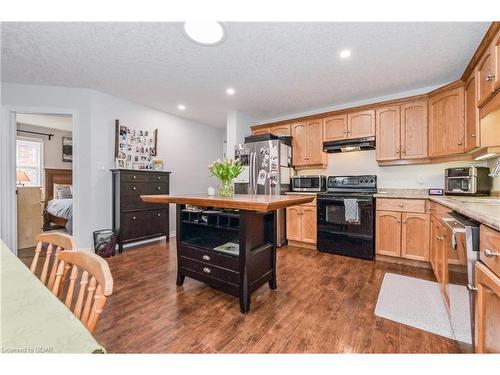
(135, 148)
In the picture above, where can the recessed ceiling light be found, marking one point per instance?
(205, 33)
(182, 107)
(345, 53)
(230, 91)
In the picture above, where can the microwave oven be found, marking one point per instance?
(309, 183)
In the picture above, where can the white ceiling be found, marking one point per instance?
(276, 68)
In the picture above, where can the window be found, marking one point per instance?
(29, 160)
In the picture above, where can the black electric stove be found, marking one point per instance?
(346, 216)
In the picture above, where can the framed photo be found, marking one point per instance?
(135, 146)
(67, 149)
(120, 163)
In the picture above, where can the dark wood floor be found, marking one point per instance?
(324, 304)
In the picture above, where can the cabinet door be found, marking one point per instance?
(415, 236)
(299, 141)
(335, 128)
(471, 115)
(414, 130)
(496, 51)
(388, 233)
(487, 337)
(260, 131)
(309, 226)
(314, 145)
(485, 76)
(293, 226)
(388, 126)
(446, 127)
(361, 124)
(280, 130)
(434, 245)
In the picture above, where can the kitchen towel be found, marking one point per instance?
(351, 210)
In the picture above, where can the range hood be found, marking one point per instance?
(348, 145)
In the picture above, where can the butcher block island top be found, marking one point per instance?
(247, 202)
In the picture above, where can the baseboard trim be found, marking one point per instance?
(403, 261)
(306, 245)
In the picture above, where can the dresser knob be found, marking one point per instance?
(206, 257)
(159, 188)
(207, 270)
(158, 214)
(159, 178)
(133, 218)
(134, 188)
(134, 177)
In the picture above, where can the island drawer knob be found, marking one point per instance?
(134, 188)
(134, 177)
(158, 214)
(159, 177)
(206, 257)
(207, 270)
(133, 218)
(159, 187)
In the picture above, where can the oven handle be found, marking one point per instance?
(341, 199)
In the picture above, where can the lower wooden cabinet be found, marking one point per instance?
(487, 337)
(439, 255)
(301, 224)
(402, 234)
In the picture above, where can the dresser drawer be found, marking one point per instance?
(136, 224)
(131, 193)
(489, 244)
(210, 270)
(401, 205)
(134, 177)
(210, 257)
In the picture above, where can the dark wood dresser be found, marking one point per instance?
(133, 219)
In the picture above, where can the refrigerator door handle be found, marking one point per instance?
(255, 173)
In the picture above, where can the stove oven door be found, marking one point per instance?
(338, 236)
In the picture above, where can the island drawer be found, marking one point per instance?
(489, 244)
(210, 257)
(210, 270)
(401, 205)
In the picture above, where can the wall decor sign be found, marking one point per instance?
(135, 148)
(67, 149)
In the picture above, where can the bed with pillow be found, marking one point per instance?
(58, 203)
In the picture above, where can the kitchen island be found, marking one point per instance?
(228, 243)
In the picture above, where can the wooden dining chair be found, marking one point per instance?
(96, 284)
(53, 243)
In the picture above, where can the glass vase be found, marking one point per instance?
(226, 189)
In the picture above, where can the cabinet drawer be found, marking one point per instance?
(401, 205)
(437, 209)
(210, 270)
(136, 224)
(143, 177)
(131, 193)
(489, 243)
(210, 257)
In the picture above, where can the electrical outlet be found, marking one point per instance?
(420, 180)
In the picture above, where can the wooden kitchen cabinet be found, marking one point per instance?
(496, 52)
(335, 128)
(439, 256)
(260, 131)
(308, 144)
(388, 128)
(415, 236)
(471, 115)
(361, 124)
(301, 224)
(414, 130)
(388, 233)
(486, 76)
(487, 311)
(280, 130)
(446, 122)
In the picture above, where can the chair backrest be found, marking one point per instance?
(53, 243)
(96, 284)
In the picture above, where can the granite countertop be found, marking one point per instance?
(486, 210)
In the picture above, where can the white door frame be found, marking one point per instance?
(8, 198)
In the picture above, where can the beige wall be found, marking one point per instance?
(53, 148)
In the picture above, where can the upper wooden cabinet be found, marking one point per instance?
(486, 76)
(402, 131)
(471, 115)
(280, 129)
(308, 144)
(335, 128)
(388, 133)
(361, 124)
(414, 130)
(446, 122)
(260, 131)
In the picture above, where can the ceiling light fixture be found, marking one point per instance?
(205, 33)
(181, 107)
(345, 53)
(230, 91)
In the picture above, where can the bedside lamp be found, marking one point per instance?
(21, 178)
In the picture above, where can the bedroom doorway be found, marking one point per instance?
(44, 177)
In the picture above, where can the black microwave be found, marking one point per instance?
(309, 183)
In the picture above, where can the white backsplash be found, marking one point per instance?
(422, 176)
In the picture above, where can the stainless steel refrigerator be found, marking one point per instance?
(267, 168)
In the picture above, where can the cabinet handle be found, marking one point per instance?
(491, 253)
(133, 218)
(206, 257)
(397, 151)
(439, 238)
(134, 177)
(459, 143)
(207, 270)
(403, 151)
(401, 205)
(473, 135)
(490, 77)
(471, 288)
(404, 221)
(134, 188)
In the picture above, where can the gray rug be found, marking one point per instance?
(418, 303)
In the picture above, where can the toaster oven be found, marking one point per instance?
(467, 181)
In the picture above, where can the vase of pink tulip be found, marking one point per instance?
(226, 171)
